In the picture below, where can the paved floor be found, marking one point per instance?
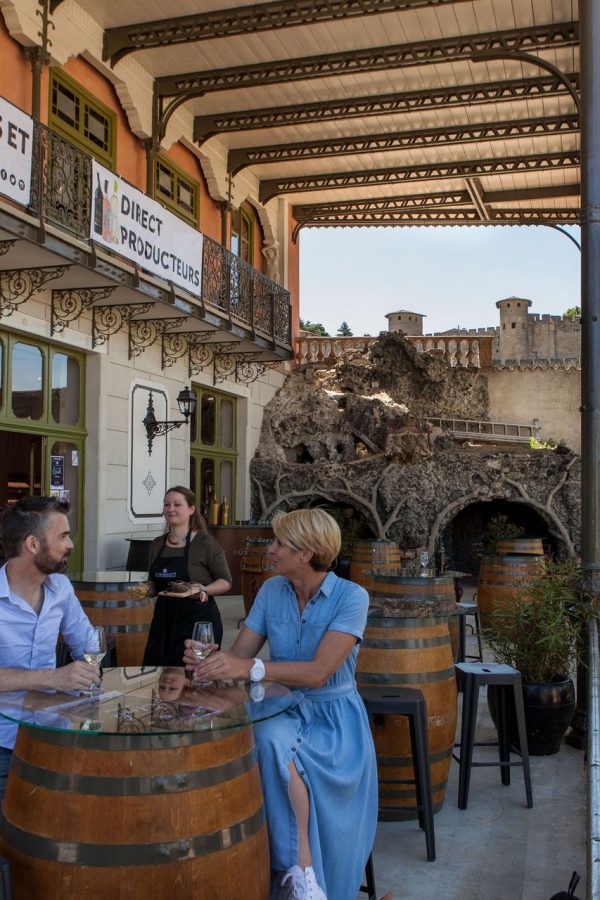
(497, 849)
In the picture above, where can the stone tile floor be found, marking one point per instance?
(497, 849)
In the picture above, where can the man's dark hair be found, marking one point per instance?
(29, 515)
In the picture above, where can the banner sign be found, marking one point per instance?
(16, 142)
(128, 222)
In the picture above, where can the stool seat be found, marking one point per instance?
(504, 679)
(409, 702)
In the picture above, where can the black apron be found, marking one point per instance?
(174, 618)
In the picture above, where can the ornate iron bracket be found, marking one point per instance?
(174, 346)
(143, 333)
(18, 285)
(248, 370)
(203, 354)
(108, 320)
(68, 305)
(5, 246)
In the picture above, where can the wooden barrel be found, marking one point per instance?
(520, 547)
(113, 605)
(407, 644)
(371, 556)
(131, 816)
(500, 579)
(255, 568)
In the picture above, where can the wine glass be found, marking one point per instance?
(424, 560)
(94, 650)
(202, 641)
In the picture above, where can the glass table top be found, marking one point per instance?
(148, 701)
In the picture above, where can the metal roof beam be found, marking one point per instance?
(426, 172)
(537, 193)
(401, 140)
(448, 217)
(383, 104)
(476, 193)
(420, 53)
(238, 20)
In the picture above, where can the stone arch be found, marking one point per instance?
(557, 534)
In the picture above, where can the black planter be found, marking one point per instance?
(549, 709)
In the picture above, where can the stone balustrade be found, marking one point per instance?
(463, 351)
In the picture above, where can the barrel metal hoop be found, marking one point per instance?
(113, 855)
(117, 604)
(127, 786)
(127, 629)
(406, 621)
(404, 678)
(132, 741)
(408, 644)
(397, 762)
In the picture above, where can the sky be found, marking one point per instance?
(452, 275)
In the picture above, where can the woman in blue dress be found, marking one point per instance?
(317, 760)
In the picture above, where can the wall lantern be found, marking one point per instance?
(186, 400)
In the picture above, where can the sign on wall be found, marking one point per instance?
(16, 141)
(128, 222)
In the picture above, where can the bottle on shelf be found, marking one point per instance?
(213, 516)
(224, 512)
(98, 206)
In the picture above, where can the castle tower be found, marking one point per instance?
(406, 321)
(513, 338)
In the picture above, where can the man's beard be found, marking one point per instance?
(49, 566)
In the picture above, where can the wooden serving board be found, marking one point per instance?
(188, 593)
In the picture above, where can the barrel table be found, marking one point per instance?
(133, 795)
(255, 568)
(123, 605)
(369, 556)
(407, 644)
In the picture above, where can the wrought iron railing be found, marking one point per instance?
(61, 195)
(471, 351)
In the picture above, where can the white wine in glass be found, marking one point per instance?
(202, 643)
(94, 649)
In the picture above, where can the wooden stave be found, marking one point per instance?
(520, 547)
(255, 568)
(500, 579)
(371, 555)
(164, 822)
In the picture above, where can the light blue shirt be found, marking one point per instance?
(28, 640)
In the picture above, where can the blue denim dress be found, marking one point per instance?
(326, 733)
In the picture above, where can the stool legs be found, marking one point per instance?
(369, 888)
(467, 739)
(420, 753)
(523, 742)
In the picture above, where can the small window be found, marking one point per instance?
(242, 234)
(27, 386)
(513, 324)
(81, 118)
(176, 190)
(65, 389)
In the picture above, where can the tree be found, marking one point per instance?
(573, 312)
(344, 330)
(313, 328)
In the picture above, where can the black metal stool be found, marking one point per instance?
(369, 887)
(467, 608)
(504, 678)
(5, 879)
(409, 702)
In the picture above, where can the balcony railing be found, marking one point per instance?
(62, 193)
(472, 352)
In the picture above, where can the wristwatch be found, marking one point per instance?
(257, 672)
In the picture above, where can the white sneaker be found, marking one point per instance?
(301, 884)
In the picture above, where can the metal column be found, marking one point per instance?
(589, 18)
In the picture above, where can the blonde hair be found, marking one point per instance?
(310, 529)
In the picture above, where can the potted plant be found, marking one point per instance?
(538, 633)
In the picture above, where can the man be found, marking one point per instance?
(37, 603)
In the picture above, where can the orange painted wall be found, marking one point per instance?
(15, 71)
(210, 217)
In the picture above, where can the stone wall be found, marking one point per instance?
(355, 435)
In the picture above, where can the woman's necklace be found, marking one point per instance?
(180, 541)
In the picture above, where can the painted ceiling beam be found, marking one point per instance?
(353, 62)
(239, 20)
(401, 140)
(466, 216)
(429, 171)
(446, 96)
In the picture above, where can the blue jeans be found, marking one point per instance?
(5, 758)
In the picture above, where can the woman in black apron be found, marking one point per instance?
(186, 553)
